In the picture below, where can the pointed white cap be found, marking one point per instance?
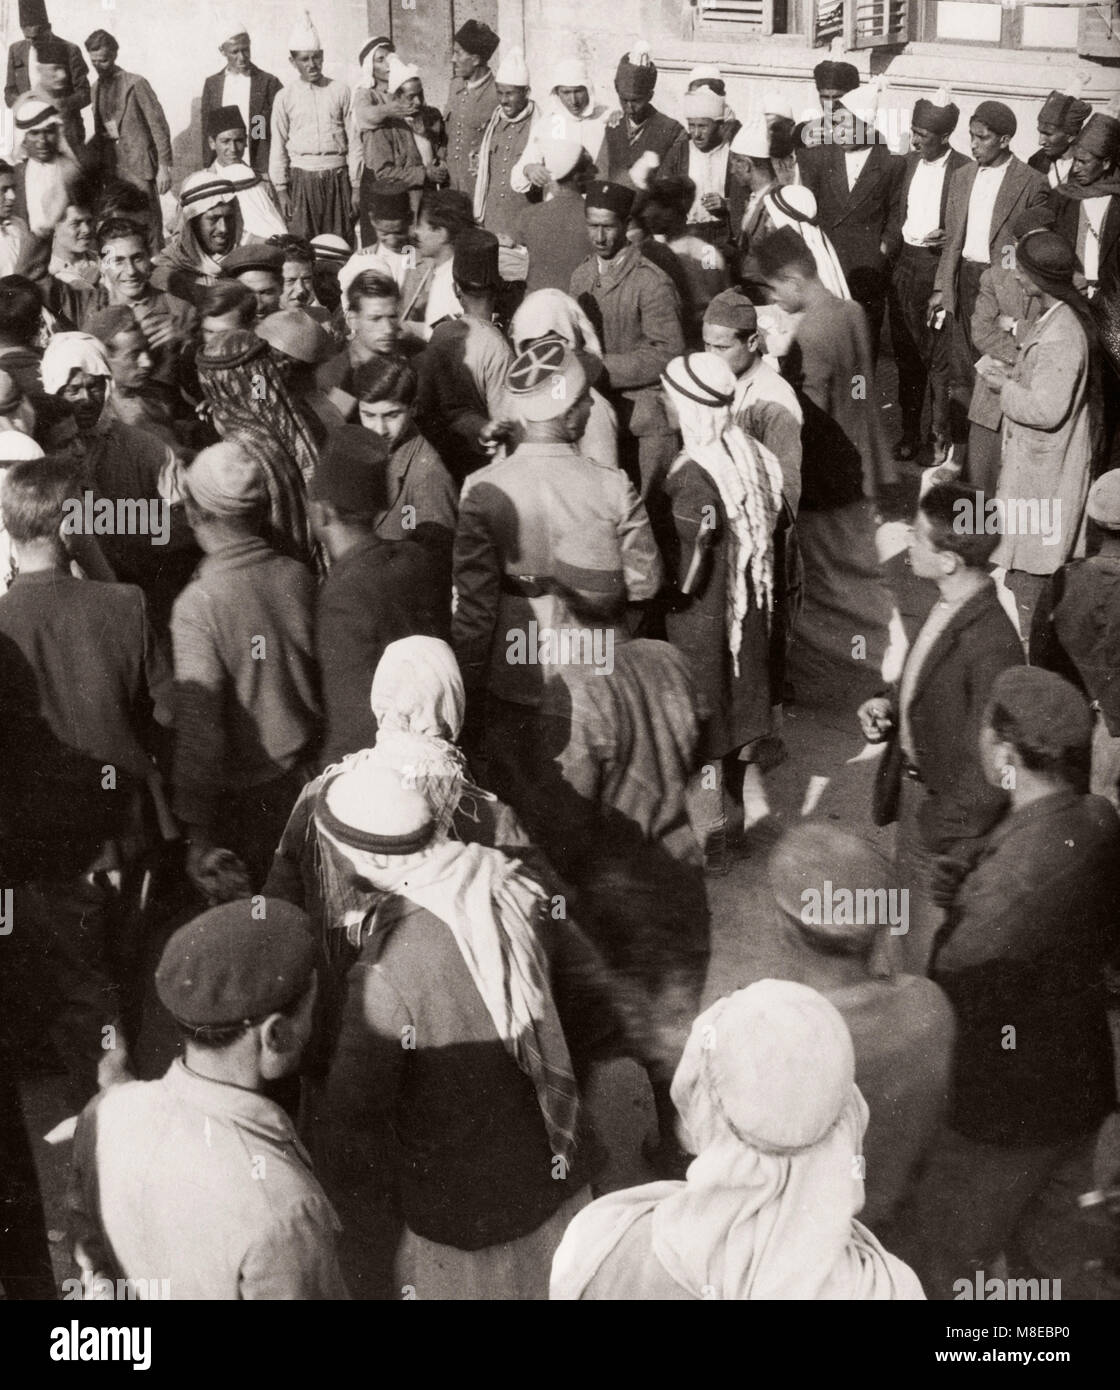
(639, 53)
(304, 38)
(512, 70)
(400, 73)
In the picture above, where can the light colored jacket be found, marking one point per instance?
(205, 1186)
(1047, 442)
(511, 515)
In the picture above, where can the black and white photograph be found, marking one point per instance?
(559, 666)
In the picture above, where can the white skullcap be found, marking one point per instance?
(752, 139)
(400, 73)
(570, 72)
(705, 72)
(560, 157)
(242, 31)
(512, 71)
(704, 105)
(304, 38)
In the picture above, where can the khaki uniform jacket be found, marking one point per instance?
(511, 515)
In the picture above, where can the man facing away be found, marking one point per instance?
(196, 1181)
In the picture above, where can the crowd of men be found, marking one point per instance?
(407, 548)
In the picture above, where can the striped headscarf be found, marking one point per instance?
(746, 473)
(250, 404)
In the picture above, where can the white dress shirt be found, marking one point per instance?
(235, 92)
(854, 160)
(1059, 171)
(708, 171)
(923, 200)
(443, 302)
(981, 206)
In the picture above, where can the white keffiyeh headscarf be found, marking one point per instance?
(767, 1093)
(793, 205)
(747, 475)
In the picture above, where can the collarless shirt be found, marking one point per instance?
(981, 206)
(708, 171)
(854, 162)
(1092, 224)
(235, 92)
(1058, 172)
(923, 201)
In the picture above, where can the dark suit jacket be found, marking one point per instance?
(668, 138)
(263, 88)
(855, 221)
(1021, 188)
(1068, 211)
(144, 139)
(910, 162)
(945, 716)
(19, 80)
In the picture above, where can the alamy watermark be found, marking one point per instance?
(1009, 516)
(90, 515)
(856, 907)
(561, 646)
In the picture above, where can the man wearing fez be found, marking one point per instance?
(915, 236)
(24, 59)
(251, 90)
(131, 135)
(228, 141)
(854, 177)
(833, 81)
(641, 129)
(471, 101)
(1088, 204)
(1059, 124)
(637, 313)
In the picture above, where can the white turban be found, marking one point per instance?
(570, 73)
(704, 105)
(71, 352)
(400, 73)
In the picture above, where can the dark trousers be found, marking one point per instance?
(869, 287)
(982, 468)
(252, 819)
(963, 354)
(646, 460)
(25, 1257)
(917, 348)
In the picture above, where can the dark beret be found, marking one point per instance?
(1049, 713)
(614, 197)
(351, 471)
(255, 255)
(237, 963)
(999, 119)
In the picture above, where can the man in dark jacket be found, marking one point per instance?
(1022, 960)
(376, 592)
(132, 139)
(915, 236)
(854, 178)
(1088, 205)
(1060, 119)
(242, 84)
(23, 59)
(641, 129)
(931, 778)
(77, 767)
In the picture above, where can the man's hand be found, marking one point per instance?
(713, 202)
(936, 301)
(935, 239)
(1007, 323)
(496, 432)
(994, 373)
(163, 180)
(159, 330)
(876, 718)
(394, 110)
(614, 118)
(537, 175)
(504, 239)
(438, 174)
